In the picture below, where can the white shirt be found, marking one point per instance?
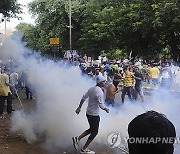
(14, 77)
(177, 76)
(96, 100)
(165, 75)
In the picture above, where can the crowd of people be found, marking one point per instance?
(129, 77)
(150, 125)
(125, 76)
(10, 84)
(112, 77)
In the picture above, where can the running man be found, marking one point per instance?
(95, 103)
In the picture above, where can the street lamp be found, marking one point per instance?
(4, 20)
(5, 26)
(70, 26)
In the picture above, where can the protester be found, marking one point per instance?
(29, 94)
(14, 80)
(165, 77)
(154, 128)
(129, 83)
(177, 77)
(96, 101)
(138, 85)
(5, 93)
(117, 78)
(110, 94)
(29, 91)
(154, 74)
(98, 72)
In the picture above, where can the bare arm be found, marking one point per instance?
(104, 108)
(116, 91)
(79, 107)
(136, 77)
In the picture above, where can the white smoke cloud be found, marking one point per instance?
(58, 91)
(162, 101)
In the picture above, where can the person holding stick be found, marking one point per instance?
(5, 93)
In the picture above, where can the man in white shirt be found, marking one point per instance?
(177, 76)
(14, 79)
(95, 103)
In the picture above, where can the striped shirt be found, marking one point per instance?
(129, 79)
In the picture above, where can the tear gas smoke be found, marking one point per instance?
(58, 90)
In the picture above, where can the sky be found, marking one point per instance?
(14, 22)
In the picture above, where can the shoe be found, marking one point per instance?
(87, 151)
(75, 142)
(11, 111)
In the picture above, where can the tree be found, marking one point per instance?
(52, 21)
(167, 20)
(10, 8)
(146, 28)
(31, 35)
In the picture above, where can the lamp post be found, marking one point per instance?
(5, 26)
(4, 20)
(70, 26)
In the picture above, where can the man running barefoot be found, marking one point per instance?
(96, 101)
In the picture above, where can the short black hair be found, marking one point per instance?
(125, 68)
(5, 70)
(151, 125)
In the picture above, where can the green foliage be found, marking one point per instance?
(114, 54)
(30, 35)
(147, 28)
(10, 8)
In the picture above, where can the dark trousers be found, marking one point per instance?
(138, 90)
(94, 126)
(128, 91)
(28, 93)
(9, 103)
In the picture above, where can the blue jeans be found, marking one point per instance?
(110, 102)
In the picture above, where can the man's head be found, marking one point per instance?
(100, 80)
(5, 70)
(155, 127)
(136, 69)
(126, 69)
(97, 71)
